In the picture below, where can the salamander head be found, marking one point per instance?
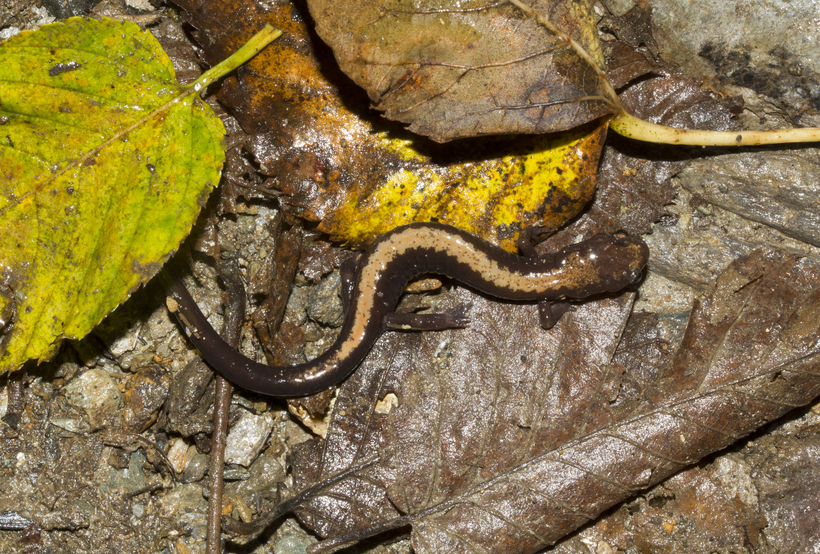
(607, 262)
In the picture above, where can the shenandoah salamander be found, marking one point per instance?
(603, 263)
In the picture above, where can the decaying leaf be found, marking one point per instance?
(542, 180)
(460, 69)
(512, 438)
(635, 183)
(360, 177)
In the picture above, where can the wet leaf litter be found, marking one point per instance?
(655, 504)
(358, 177)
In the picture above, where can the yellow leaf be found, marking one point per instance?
(545, 180)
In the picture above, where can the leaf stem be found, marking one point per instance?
(248, 50)
(632, 127)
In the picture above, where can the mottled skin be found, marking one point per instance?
(604, 263)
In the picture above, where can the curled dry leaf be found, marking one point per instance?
(511, 439)
(460, 69)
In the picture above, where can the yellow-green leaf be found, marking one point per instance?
(105, 162)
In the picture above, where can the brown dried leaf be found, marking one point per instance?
(509, 438)
(462, 69)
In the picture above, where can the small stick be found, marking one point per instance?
(231, 332)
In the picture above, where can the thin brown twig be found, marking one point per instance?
(231, 332)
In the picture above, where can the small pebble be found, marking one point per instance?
(178, 455)
(97, 394)
(196, 468)
(145, 394)
(247, 438)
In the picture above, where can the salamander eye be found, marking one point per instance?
(621, 238)
(634, 276)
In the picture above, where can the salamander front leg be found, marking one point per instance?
(530, 235)
(549, 311)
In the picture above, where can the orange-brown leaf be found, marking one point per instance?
(360, 177)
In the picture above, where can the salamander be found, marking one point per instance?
(603, 263)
